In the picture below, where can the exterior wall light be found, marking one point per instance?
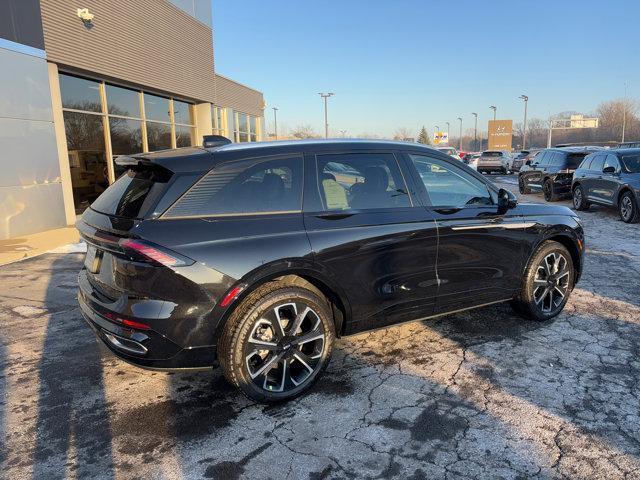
(85, 16)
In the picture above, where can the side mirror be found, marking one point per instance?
(506, 200)
(609, 170)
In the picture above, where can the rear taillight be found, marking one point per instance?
(125, 321)
(155, 253)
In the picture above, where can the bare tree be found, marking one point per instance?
(304, 131)
(403, 134)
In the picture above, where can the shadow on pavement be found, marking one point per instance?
(73, 431)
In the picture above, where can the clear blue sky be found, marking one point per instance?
(405, 63)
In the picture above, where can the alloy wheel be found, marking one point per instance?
(626, 208)
(551, 283)
(285, 347)
(577, 198)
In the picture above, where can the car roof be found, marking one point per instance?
(192, 159)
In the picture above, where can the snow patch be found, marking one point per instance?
(80, 247)
(27, 311)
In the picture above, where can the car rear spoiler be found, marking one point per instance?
(138, 163)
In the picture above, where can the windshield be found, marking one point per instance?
(133, 194)
(631, 163)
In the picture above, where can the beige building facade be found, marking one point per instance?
(92, 80)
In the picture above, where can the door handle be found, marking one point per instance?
(334, 216)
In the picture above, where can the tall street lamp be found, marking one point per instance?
(460, 146)
(494, 108)
(435, 134)
(524, 127)
(325, 96)
(448, 125)
(475, 131)
(275, 121)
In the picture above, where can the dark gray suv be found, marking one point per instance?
(610, 178)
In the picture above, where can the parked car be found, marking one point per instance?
(256, 257)
(452, 152)
(518, 160)
(494, 161)
(610, 178)
(635, 144)
(551, 171)
(471, 159)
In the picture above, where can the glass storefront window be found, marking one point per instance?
(181, 112)
(158, 136)
(183, 136)
(243, 126)
(122, 101)
(218, 126)
(156, 108)
(126, 136)
(80, 94)
(253, 125)
(87, 157)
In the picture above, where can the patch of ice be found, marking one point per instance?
(27, 311)
(80, 247)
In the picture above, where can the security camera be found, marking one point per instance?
(85, 15)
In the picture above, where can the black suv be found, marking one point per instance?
(258, 256)
(551, 171)
(610, 178)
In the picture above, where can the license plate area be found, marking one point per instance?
(93, 259)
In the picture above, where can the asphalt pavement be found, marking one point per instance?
(483, 394)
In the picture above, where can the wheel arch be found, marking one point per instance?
(297, 273)
(623, 190)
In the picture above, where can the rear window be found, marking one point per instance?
(133, 194)
(254, 186)
(631, 163)
(492, 154)
(574, 159)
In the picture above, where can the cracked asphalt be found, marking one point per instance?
(482, 394)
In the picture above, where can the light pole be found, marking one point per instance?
(524, 128)
(624, 112)
(448, 125)
(460, 146)
(275, 121)
(325, 96)
(435, 134)
(475, 131)
(494, 108)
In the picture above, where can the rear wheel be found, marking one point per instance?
(579, 202)
(522, 187)
(277, 342)
(547, 189)
(547, 284)
(628, 208)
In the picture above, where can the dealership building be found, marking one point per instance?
(84, 81)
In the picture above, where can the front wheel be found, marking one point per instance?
(547, 283)
(277, 342)
(628, 208)
(522, 187)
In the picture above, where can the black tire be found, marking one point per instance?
(547, 190)
(533, 302)
(288, 368)
(522, 187)
(579, 202)
(628, 208)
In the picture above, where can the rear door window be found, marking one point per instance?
(257, 186)
(597, 163)
(361, 181)
(133, 194)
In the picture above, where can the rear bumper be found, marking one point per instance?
(491, 168)
(143, 348)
